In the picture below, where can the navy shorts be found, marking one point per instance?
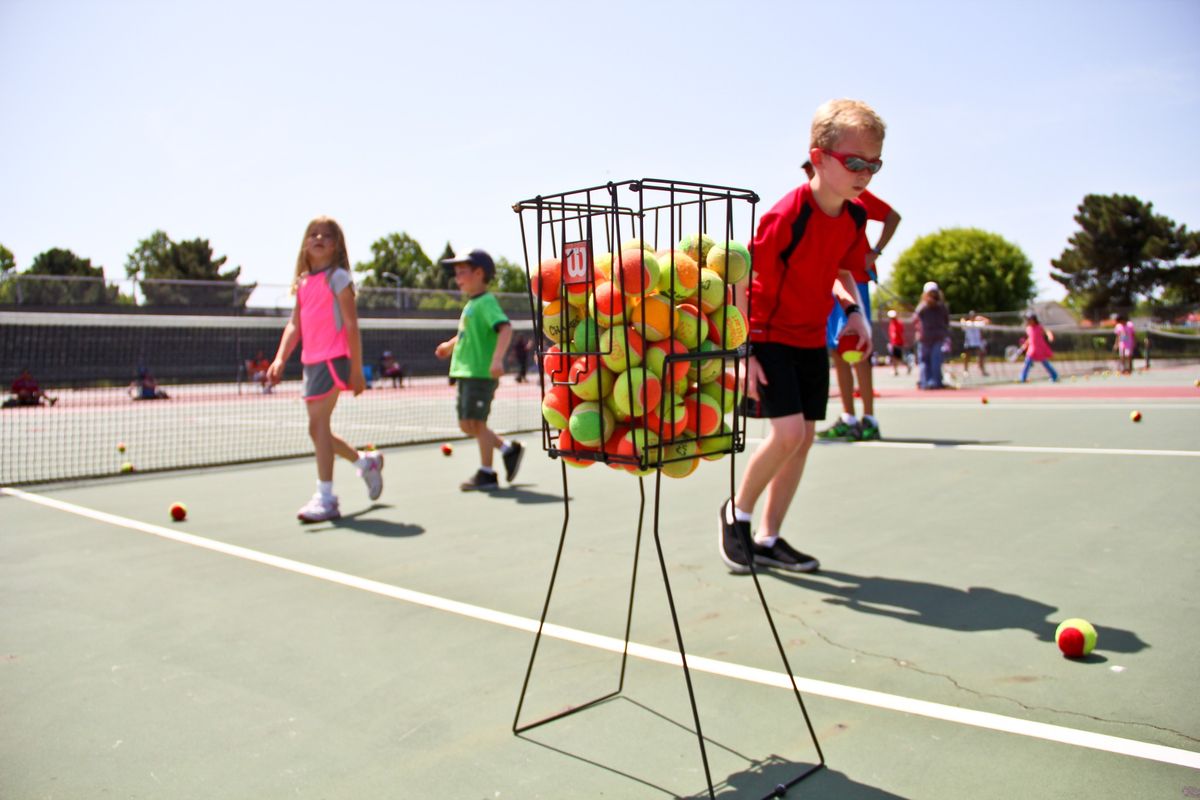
(797, 381)
(475, 397)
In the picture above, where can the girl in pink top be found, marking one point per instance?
(326, 321)
(1037, 347)
(1126, 343)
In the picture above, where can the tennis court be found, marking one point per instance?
(242, 655)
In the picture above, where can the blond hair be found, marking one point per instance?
(836, 117)
(340, 257)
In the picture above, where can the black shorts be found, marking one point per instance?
(797, 381)
(475, 398)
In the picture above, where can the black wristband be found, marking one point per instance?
(853, 308)
(877, 251)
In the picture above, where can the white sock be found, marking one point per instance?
(738, 514)
(325, 489)
(849, 419)
(763, 540)
(506, 447)
(870, 420)
(488, 470)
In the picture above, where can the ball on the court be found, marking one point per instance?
(1197, 383)
(1075, 637)
(1136, 416)
(178, 512)
(369, 448)
(120, 447)
(127, 467)
(447, 449)
(984, 400)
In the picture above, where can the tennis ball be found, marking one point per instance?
(697, 246)
(847, 347)
(717, 446)
(120, 447)
(178, 512)
(608, 305)
(711, 291)
(447, 449)
(1075, 637)
(621, 348)
(556, 406)
(690, 327)
(611, 404)
(984, 400)
(674, 376)
(556, 364)
(704, 413)
(630, 273)
(126, 467)
(730, 261)
(547, 281)
(566, 445)
(590, 424)
(707, 369)
(723, 389)
(1136, 416)
(668, 419)
(731, 327)
(652, 318)
(586, 338)
(635, 390)
(603, 266)
(653, 266)
(640, 447)
(1197, 383)
(559, 321)
(679, 459)
(680, 275)
(589, 378)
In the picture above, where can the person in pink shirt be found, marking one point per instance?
(1037, 347)
(326, 321)
(1126, 342)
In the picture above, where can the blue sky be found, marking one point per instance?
(240, 121)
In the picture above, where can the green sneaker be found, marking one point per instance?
(839, 430)
(869, 432)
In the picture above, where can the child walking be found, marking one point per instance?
(1037, 347)
(326, 321)
(476, 356)
(805, 246)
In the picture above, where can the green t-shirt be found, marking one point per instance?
(477, 337)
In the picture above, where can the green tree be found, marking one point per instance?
(1123, 251)
(59, 277)
(975, 270)
(7, 261)
(509, 277)
(397, 262)
(160, 264)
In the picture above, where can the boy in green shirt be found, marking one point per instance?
(476, 363)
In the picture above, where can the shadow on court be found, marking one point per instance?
(524, 496)
(933, 442)
(977, 608)
(375, 527)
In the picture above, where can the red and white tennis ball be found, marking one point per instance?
(1075, 637)
(178, 512)
(1136, 416)
(447, 449)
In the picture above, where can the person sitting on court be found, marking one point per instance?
(390, 368)
(257, 368)
(145, 387)
(26, 392)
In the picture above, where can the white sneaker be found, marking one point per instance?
(372, 474)
(319, 509)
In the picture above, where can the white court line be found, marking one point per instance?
(1004, 448)
(868, 697)
(1016, 404)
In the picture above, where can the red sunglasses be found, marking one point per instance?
(855, 163)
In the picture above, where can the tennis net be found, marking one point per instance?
(213, 410)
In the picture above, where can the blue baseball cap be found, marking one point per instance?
(476, 258)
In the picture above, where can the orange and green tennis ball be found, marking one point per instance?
(680, 459)
(556, 406)
(608, 305)
(669, 419)
(718, 445)
(731, 261)
(566, 445)
(178, 512)
(621, 348)
(640, 445)
(447, 449)
(630, 272)
(120, 447)
(673, 376)
(1136, 416)
(635, 390)
(984, 400)
(704, 413)
(126, 467)
(590, 424)
(559, 321)
(652, 264)
(1075, 637)
(711, 291)
(731, 327)
(707, 369)
(556, 364)
(652, 318)
(724, 390)
(546, 282)
(679, 277)
(697, 246)
(690, 326)
(586, 338)
(589, 378)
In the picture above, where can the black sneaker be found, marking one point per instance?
(480, 482)
(512, 461)
(784, 556)
(730, 539)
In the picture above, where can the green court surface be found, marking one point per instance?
(242, 655)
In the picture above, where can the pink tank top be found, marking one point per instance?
(322, 329)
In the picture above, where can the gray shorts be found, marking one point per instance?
(475, 397)
(325, 377)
